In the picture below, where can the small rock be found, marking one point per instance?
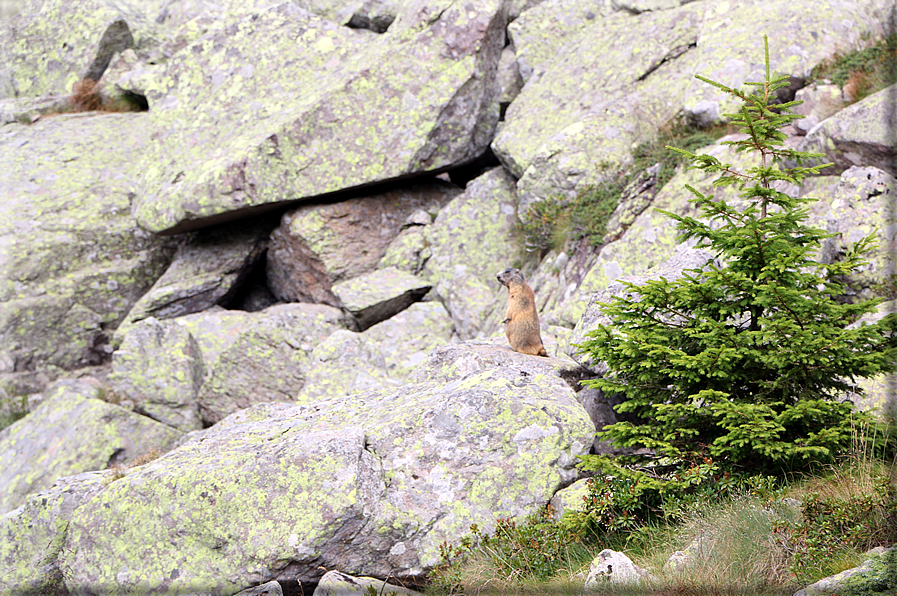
(335, 583)
(614, 567)
(379, 295)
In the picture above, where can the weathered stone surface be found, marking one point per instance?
(674, 268)
(52, 45)
(271, 588)
(730, 46)
(569, 498)
(376, 15)
(612, 567)
(540, 32)
(72, 260)
(159, 369)
(207, 269)
(266, 358)
(318, 245)
(861, 204)
(32, 536)
(379, 295)
(878, 575)
(335, 583)
(509, 78)
(72, 432)
(864, 134)
(382, 357)
(472, 238)
(370, 484)
(421, 99)
(820, 101)
(555, 135)
(456, 361)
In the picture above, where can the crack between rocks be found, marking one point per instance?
(671, 55)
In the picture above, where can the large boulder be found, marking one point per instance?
(265, 357)
(473, 238)
(555, 134)
(317, 245)
(634, 72)
(72, 432)
(243, 124)
(50, 46)
(861, 135)
(371, 484)
(159, 369)
(74, 261)
(32, 536)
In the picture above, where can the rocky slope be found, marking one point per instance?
(256, 325)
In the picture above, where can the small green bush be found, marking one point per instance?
(744, 362)
(862, 72)
(829, 527)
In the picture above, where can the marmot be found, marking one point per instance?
(521, 319)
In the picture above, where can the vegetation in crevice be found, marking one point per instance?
(863, 72)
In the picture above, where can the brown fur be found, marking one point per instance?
(521, 318)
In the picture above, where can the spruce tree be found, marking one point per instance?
(748, 360)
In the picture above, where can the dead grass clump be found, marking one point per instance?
(86, 97)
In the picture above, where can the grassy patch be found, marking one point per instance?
(550, 223)
(862, 72)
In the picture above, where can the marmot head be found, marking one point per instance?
(509, 275)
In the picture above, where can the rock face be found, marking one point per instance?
(74, 261)
(372, 484)
(72, 432)
(434, 104)
(864, 134)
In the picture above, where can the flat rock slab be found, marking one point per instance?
(73, 259)
(245, 120)
(371, 484)
(72, 432)
(379, 295)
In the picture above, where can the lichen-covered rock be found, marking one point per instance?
(207, 269)
(379, 295)
(317, 245)
(731, 39)
(265, 358)
(335, 583)
(370, 484)
(271, 588)
(569, 498)
(52, 45)
(473, 238)
(878, 575)
(32, 536)
(74, 262)
(456, 361)
(72, 432)
(539, 32)
(555, 134)
(274, 122)
(820, 101)
(159, 369)
(383, 357)
(612, 567)
(864, 134)
(861, 204)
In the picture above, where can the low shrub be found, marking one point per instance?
(862, 72)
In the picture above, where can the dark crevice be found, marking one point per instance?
(463, 174)
(672, 55)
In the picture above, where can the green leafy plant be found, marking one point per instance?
(744, 360)
(862, 72)
(829, 527)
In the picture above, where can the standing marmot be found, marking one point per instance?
(521, 319)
